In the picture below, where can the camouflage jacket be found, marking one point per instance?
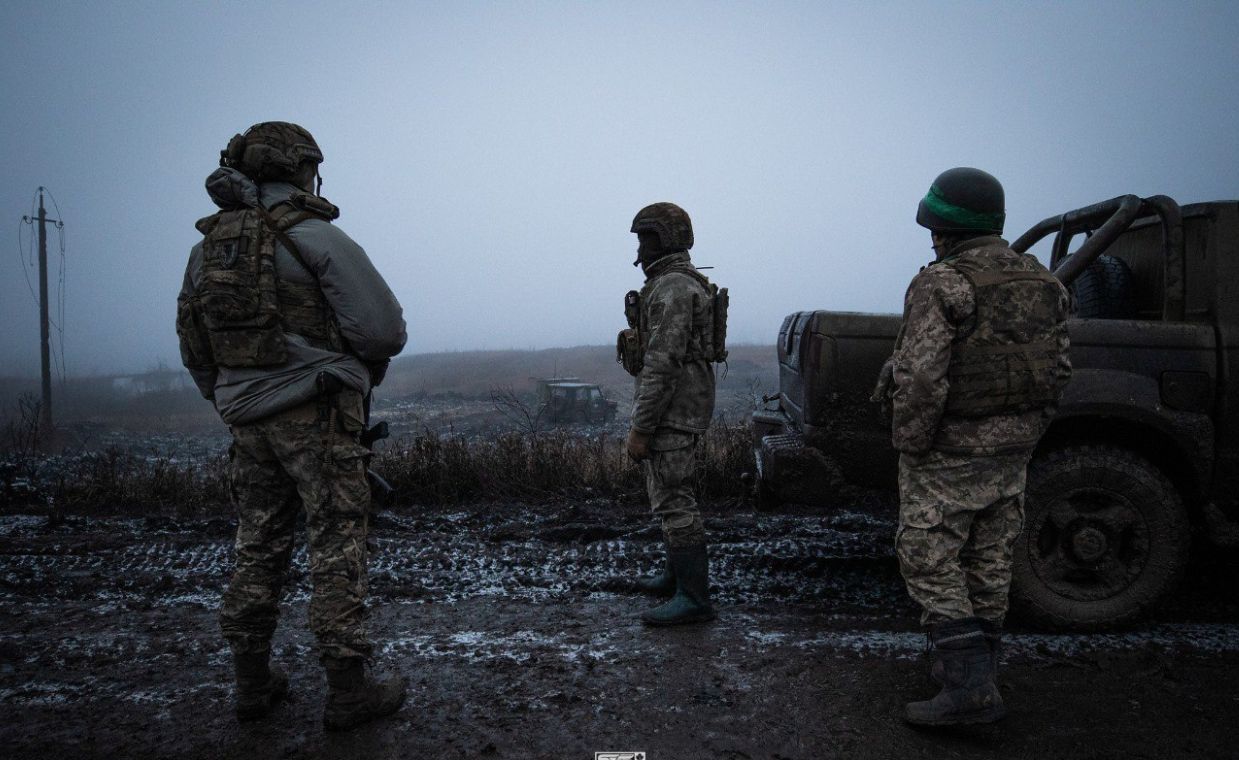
(675, 388)
(937, 310)
(368, 314)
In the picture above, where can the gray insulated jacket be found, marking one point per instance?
(675, 388)
(369, 316)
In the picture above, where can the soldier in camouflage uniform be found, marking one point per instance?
(286, 326)
(976, 372)
(669, 348)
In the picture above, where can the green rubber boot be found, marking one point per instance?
(661, 584)
(963, 663)
(354, 698)
(690, 565)
(259, 686)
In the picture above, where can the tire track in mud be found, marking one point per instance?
(204, 665)
(102, 593)
(448, 559)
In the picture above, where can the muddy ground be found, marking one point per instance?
(517, 632)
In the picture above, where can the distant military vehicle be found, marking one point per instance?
(570, 400)
(1146, 441)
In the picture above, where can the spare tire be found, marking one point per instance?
(1105, 538)
(1104, 290)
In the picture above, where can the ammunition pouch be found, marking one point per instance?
(194, 339)
(714, 334)
(990, 380)
(630, 343)
(720, 303)
(629, 352)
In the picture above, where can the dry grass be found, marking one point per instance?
(427, 469)
(113, 481)
(433, 469)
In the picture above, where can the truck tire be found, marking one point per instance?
(1104, 290)
(1105, 538)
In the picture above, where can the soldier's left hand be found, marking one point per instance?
(638, 445)
(886, 383)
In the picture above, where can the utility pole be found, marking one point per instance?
(45, 414)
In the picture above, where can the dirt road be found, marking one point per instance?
(515, 628)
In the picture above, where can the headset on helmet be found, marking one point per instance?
(963, 200)
(270, 150)
(669, 222)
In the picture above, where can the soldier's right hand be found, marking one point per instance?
(638, 446)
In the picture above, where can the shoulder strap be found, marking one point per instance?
(207, 223)
(316, 205)
(279, 228)
(690, 270)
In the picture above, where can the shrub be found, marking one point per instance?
(428, 469)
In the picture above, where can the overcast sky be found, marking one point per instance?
(490, 157)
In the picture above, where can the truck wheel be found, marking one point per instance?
(1105, 537)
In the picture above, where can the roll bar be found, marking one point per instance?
(1104, 222)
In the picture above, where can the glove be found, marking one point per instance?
(886, 383)
(885, 389)
(638, 445)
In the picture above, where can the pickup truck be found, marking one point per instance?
(1144, 447)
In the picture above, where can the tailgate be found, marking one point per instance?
(828, 364)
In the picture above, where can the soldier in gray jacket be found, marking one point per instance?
(286, 326)
(669, 348)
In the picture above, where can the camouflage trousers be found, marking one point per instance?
(669, 483)
(307, 457)
(959, 518)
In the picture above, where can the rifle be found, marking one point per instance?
(381, 492)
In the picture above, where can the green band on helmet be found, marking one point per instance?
(965, 218)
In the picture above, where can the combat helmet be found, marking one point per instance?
(669, 222)
(963, 200)
(270, 150)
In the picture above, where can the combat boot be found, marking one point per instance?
(660, 584)
(354, 698)
(963, 663)
(993, 640)
(690, 565)
(259, 686)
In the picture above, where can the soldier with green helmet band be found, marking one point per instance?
(677, 330)
(285, 325)
(975, 376)
(963, 200)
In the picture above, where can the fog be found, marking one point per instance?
(490, 157)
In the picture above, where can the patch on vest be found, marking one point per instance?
(224, 253)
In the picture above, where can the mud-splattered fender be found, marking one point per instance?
(1126, 408)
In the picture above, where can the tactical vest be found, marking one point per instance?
(707, 339)
(241, 309)
(1006, 363)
